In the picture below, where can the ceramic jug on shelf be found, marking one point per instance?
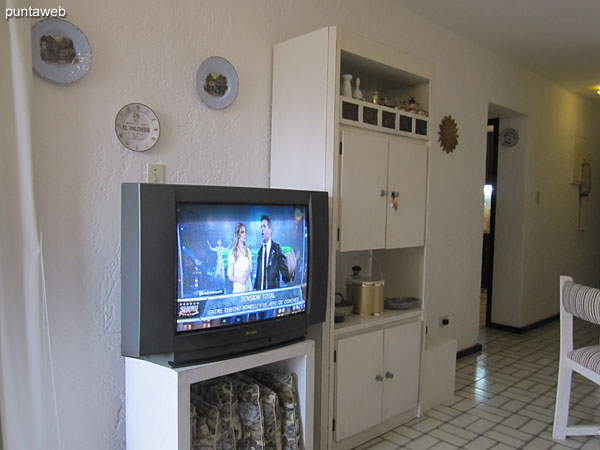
(346, 86)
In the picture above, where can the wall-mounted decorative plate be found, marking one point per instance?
(509, 137)
(217, 82)
(137, 127)
(60, 51)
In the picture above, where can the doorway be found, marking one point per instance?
(489, 214)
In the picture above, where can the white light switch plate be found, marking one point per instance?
(155, 173)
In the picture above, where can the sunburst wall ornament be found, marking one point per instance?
(448, 134)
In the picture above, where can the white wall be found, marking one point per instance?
(507, 291)
(149, 52)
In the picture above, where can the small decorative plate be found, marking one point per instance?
(60, 51)
(137, 127)
(217, 82)
(509, 137)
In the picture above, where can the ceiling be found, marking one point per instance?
(559, 39)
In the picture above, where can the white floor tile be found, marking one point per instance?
(369, 444)
(534, 427)
(443, 446)
(502, 447)
(407, 432)
(464, 420)
(481, 443)
(538, 444)
(448, 437)
(395, 438)
(515, 421)
(422, 443)
(426, 425)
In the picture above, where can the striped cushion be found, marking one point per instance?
(588, 357)
(582, 301)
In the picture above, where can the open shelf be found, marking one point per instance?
(386, 96)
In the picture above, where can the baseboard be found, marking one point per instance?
(521, 330)
(468, 351)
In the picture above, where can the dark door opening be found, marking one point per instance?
(489, 213)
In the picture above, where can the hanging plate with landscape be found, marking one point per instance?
(60, 51)
(217, 82)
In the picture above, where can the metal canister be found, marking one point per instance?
(365, 292)
(367, 296)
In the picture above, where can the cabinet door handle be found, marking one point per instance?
(382, 193)
(395, 195)
(389, 375)
(379, 378)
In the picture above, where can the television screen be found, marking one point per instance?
(239, 263)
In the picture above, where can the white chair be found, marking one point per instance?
(582, 302)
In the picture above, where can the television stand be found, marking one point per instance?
(157, 397)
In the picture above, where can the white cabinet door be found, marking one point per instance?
(401, 356)
(364, 178)
(358, 393)
(407, 175)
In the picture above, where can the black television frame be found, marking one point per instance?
(149, 274)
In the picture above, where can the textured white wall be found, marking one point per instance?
(149, 52)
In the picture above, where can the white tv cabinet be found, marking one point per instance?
(158, 397)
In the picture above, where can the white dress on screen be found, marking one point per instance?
(238, 267)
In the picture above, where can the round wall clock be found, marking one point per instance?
(448, 134)
(137, 127)
(509, 137)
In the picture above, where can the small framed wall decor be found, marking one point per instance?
(217, 82)
(137, 127)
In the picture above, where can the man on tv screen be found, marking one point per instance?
(271, 261)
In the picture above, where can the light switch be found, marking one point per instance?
(155, 173)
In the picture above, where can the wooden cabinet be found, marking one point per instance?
(376, 170)
(377, 377)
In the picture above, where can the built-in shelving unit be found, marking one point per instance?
(369, 150)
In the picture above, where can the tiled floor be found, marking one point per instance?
(504, 398)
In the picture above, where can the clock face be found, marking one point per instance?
(137, 127)
(509, 137)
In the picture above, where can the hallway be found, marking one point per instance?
(504, 398)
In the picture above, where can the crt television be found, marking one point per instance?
(211, 272)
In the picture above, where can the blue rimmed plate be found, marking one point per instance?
(60, 51)
(217, 82)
